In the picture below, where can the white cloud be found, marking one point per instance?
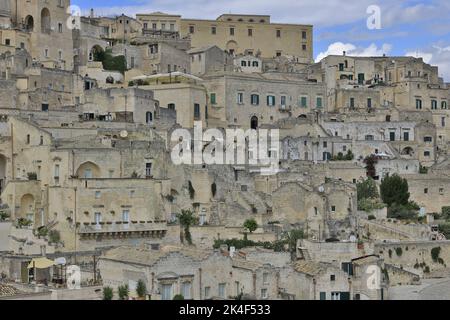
(337, 48)
(437, 55)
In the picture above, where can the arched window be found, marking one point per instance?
(254, 123)
(149, 117)
(29, 23)
(444, 105)
(171, 106)
(45, 21)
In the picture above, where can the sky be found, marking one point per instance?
(360, 27)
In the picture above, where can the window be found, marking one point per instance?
(369, 103)
(41, 140)
(7, 42)
(231, 31)
(283, 101)
(278, 33)
(271, 101)
(148, 169)
(360, 78)
(166, 292)
(426, 153)
(171, 106)
(278, 53)
(149, 117)
(304, 47)
(222, 290)
(60, 27)
(207, 292)
(191, 29)
(441, 190)
(333, 208)
(98, 220)
(145, 25)
(240, 98)
(44, 107)
(443, 122)
(172, 27)
(154, 26)
(352, 102)
(323, 296)
(97, 194)
(213, 30)
(369, 137)
(56, 173)
(265, 278)
(196, 111)
(254, 98)
(427, 139)
(319, 102)
(444, 105)
(28, 139)
(263, 293)
(332, 277)
(303, 102)
(88, 173)
(418, 104)
(405, 136)
(304, 35)
(46, 53)
(325, 144)
(433, 104)
(425, 190)
(250, 32)
(341, 67)
(391, 136)
(186, 288)
(213, 98)
(163, 26)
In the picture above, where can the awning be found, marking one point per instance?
(40, 263)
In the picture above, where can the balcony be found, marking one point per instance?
(122, 229)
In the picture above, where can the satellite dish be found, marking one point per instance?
(123, 133)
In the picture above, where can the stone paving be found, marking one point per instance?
(430, 289)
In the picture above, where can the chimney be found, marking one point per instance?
(344, 53)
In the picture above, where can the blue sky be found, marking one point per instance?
(408, 27)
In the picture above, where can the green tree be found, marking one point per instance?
(251, 225)
(141, 289)
(108, 293)
(367, 189)
(123, 292)
(394, 189)
(187, 219)
(291, 237)
(178, 297)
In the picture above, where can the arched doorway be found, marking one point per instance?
(29, 23)
(407, 151)
(45, 21)
(96, 53)
(302, 116)
(232, 47)
(27, 207)
(88, 170)
(254, 123)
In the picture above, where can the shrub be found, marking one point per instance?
(123, 292)
(427, 269)
(186, 219)
(251, 225)
(23, 222)
(108, 293)
(408, 211)
(367, 189)
(54, 236)
(42, 231)
(178, 297)
(3, 215)
(368, 205)
(32, 175)
(398, 251)
(394, 190)
(141, 289)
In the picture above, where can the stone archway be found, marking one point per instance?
(232, 47)
(88, 170)
(27, 207)
(29, 23)
(254, 122)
